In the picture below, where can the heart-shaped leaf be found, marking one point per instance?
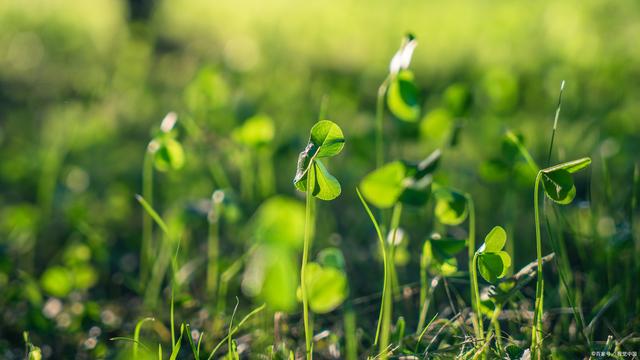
(490, 266)
(326, 287)
(558, 185)
(327, 138)
(325, 185)
(383, 186)
(495, 239)
(402, 97)
(451, 206)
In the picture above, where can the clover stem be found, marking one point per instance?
(471, 251)
(538, 302)
(476, 295)
(388, 291)
(496, 326)
(383, 249)
(382, 90)
(147, 222)
(308, 235)
(423, 292)
(213, 250)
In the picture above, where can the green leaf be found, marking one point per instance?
(447, 267)
(332, 257)
(437, 126)
(570, 166)
(279, 221)
(383, 186)
(327, 138)
(495, 240)
(57, 281)
(451, 206)
(446, 248)
(491, 266)
(402, 97)
(424, 167)
(506, 262)
(256, 131)
(439, 254)
(325, 185)
(416, 193)
(558, 185)
(326, 287)
(169, 155)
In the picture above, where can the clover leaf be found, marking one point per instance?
(558, 183)
(326, 140)
(493, 263)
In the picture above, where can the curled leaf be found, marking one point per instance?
(558, 185)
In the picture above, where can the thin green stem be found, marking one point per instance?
(476, 295)
(388, 312)
(308, 235)
(477, 324)
(147, 221)
(538, 302)
(383, 249)
(496, 325)
(382, 90)
(213, 243)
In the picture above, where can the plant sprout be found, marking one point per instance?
(326, 140)
(392, 185)
(558, 185)
(164, 153)
(493, 264)
(400, 92)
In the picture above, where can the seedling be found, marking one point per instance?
(400, 91)
(558, 185)
(393, 185)
(326, 140)
(493, 264)
(163, 153)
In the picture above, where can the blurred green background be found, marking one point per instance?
(84, 86)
